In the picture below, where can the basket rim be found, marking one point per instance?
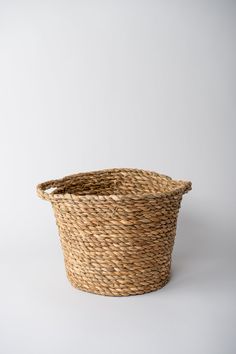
(182, 187)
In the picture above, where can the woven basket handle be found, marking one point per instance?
(42, 187)
(187, 187)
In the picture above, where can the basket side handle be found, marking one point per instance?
(187, 186)
(43, 187)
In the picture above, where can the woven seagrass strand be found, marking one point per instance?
(117, 228)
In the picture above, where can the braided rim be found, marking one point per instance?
(182, 187)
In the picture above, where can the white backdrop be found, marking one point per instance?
(86, 85)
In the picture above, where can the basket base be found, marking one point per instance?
(119, 292)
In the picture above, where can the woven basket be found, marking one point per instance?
(117, 228)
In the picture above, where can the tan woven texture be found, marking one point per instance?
(117, 228)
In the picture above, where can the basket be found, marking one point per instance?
(117, 228)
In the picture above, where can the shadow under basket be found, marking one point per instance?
(117, 228)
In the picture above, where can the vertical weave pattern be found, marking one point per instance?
(117, 228)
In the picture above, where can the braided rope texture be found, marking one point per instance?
(117, 228)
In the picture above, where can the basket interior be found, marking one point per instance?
(116, 182)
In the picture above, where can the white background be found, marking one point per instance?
(86, 85)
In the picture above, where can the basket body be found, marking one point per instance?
(117, 228)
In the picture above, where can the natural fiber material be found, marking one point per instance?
(117, 228)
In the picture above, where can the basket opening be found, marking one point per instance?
(117, 182)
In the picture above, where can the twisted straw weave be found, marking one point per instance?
(117, 228)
